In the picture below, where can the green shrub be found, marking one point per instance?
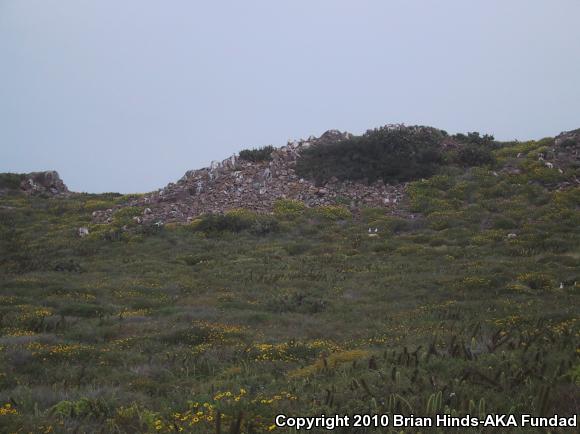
(237, 221)
(105, 232)
(475, 155)
(463, 190)
(440, 220)
(441, 182)
(296, 302)
(567, 198)
(332, 212)
(474, 283)
(125, 215)
(408, 250)
(289, 208)
(297, 248)
(475, 138)
(536, 281)
(256, 155)
(83, 310)
(194, 335)
(427, 205)
(371, 214)
(511, 150)
(83, 408)
(133, 418)
(504, 223)
(96, 204)
(397, 225)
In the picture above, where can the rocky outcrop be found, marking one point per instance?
(48, 182)
(564, 153)
(568, 138)
(236, 183)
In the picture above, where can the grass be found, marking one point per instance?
(189, 330)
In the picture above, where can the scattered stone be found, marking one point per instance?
(82, 231)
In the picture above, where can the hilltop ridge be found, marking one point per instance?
(337, 168)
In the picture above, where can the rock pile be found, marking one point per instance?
(566, 149)
(236, 183)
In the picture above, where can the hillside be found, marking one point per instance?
(414, 272)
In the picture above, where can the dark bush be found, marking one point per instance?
(475, 155)
(71, 266)
(475, 138)
(256, 155)
(10, 181)
(390, 154)
(297, 248)
(193, 335)
(223, 223)
(84, 310)
(297, 302)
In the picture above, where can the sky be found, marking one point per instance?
(127, 95)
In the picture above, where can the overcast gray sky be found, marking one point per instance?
(126, 95)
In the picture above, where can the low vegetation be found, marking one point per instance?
(471, 306)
